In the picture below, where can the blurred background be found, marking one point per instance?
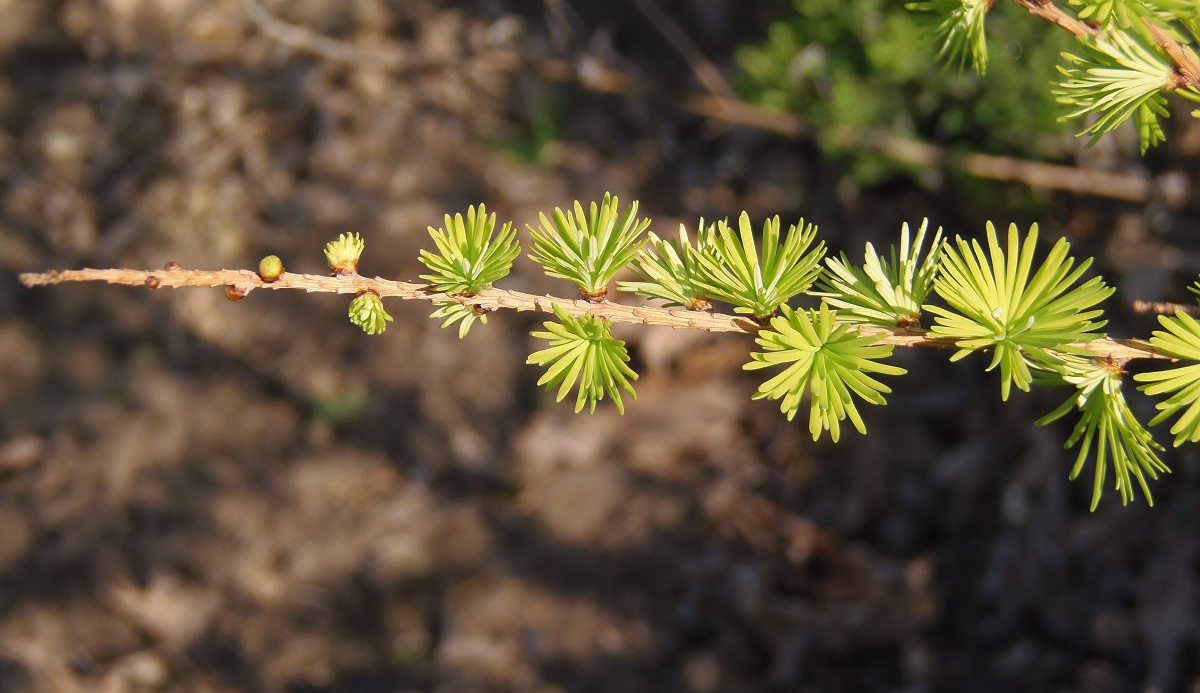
(198, 495)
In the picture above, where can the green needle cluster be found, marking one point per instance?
(671, 270)
(471, 255)
(588, 248)
(731, 270)
(884, 292)
(827, 360)
(583, 350)
(1027, 321)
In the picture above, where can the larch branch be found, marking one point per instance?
(1116, 351)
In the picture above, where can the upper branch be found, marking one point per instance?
(1052, 13)
(1187, 66)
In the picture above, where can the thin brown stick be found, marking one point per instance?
(1115, 351)
(1006, 168)
(1035, 174)
(1047, 10)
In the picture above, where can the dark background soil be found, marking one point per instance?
(199, 495)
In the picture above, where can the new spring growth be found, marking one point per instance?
(366, 311)
(342, 254)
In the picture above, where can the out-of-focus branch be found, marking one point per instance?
(308, 41)
(702, 67)
(1036, 174)
(1160, 308)
(723, 108)
(1116, 351)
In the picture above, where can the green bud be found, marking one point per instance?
(270, 268)
(367, 312)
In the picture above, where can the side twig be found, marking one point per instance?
(1115, 351)
(1159, 308)
(1187, 67)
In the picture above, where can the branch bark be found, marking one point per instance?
(1114, 351)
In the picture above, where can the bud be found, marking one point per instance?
(367, 312)
(270, 268)
(235, 292)
(342, 254)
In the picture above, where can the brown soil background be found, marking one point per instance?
(198, 495)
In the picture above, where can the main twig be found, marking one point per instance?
(1115, 351)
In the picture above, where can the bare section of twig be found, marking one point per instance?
(1116, 351)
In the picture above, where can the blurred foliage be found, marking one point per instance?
(531, 139)
(850, 65)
